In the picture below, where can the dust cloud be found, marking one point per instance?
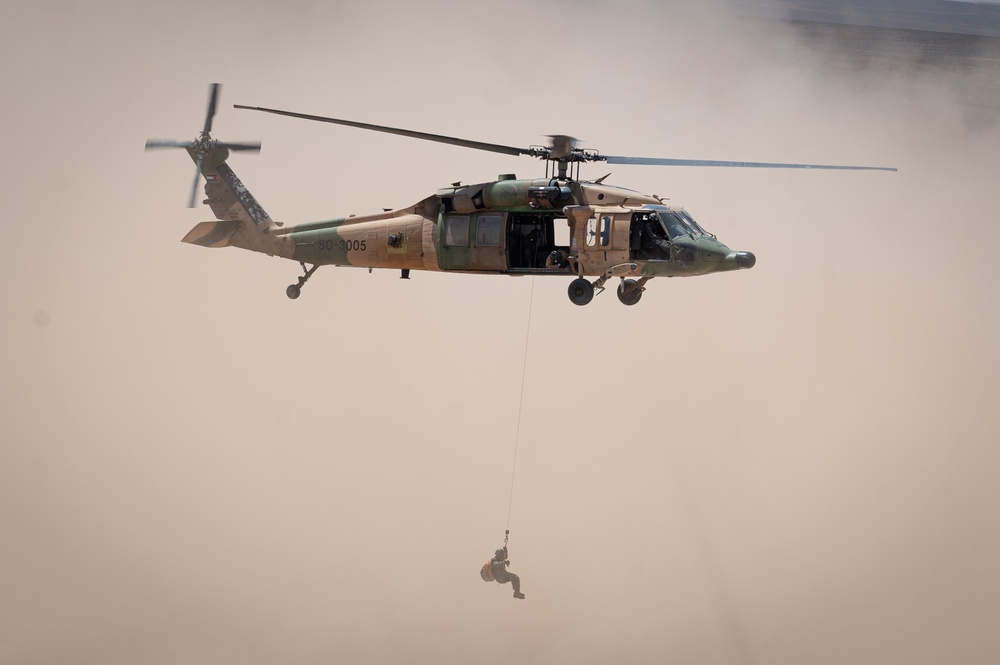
(794, 464)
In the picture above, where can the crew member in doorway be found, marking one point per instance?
(498, 566)
(654, 241)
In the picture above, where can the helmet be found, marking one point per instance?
(499, 555)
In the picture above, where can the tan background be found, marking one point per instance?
(795, 464)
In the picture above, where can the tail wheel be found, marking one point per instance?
(629, 292)
(581, 291)
(293, 291)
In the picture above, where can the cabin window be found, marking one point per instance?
(599, 231)
(488, 231)
(456, 231)
(605, 230)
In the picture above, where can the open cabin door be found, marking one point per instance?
(538, 242)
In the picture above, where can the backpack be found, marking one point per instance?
(487, 571)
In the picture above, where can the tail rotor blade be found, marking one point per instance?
(213, 97)
(197, 178)
(152, 144)
(253, 146)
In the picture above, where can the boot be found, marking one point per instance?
(518, 594)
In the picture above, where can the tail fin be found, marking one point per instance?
(242, 221)
(231, 200)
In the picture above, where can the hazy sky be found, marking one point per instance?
(793, 464)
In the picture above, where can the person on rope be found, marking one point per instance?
(495, 570)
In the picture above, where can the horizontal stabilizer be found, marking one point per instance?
(212, 234)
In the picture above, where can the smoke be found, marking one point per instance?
(790, 464)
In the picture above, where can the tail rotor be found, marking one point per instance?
(204, 145)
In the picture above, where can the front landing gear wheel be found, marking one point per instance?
(581, 291)
(293, 291)
(629, 292)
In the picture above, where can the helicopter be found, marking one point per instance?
(559, 225)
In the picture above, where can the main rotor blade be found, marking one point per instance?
(477, 145)
(654, 161)
(212, 99)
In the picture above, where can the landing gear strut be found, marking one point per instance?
(582, 291)
(295, 290)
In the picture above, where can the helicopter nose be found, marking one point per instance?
(745, 259)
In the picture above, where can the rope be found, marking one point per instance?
(520, 406)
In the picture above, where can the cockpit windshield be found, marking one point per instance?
(676, 226)
(690, 222)
(680, 223)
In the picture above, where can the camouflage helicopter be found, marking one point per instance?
(557, 225)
